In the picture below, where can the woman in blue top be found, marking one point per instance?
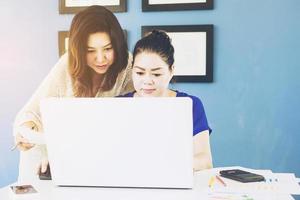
(153, 68)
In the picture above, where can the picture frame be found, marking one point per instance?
(172, 5)
(74, 6)
(193, 45)
(63, 41)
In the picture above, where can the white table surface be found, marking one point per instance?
(48, 191)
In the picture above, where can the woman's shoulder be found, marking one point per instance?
(61, 79)
(197, 103)
(61, 66)
(183, 94)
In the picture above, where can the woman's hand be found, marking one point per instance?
(22, 143)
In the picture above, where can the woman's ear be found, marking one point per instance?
(172, 70)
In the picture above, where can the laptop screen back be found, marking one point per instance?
(119, 142)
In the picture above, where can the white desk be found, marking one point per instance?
(47, 191)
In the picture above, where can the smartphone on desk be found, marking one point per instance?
(242, 176)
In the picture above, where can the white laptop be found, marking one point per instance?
(119, 142)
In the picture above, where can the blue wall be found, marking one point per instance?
(252, 105)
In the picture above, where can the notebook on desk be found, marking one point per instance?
(119, 142)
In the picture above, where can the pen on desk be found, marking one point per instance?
(220, 180)
(211, 181)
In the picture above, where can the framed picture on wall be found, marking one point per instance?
(74, 6)
(63, 41)
(193, 55)
(168, 5)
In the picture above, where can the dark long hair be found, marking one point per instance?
(92, 20)
(157, 42)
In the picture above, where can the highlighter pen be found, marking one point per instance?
(211, 181)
